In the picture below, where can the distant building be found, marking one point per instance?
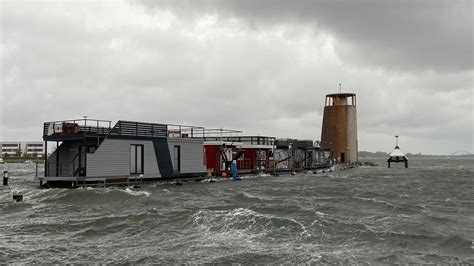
(22, 148)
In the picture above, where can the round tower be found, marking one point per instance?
(339, 132)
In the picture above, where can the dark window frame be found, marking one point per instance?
(134, 171)
(177, 170)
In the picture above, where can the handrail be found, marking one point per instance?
(80, 119)
(84, 128)
(132, 128)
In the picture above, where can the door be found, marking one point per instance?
(136, 159)
(343, 157)
(261, 159)
(226, 157)
(82, 160)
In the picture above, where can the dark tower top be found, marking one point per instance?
(340, 99)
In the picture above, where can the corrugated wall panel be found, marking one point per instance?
(192, 154)
(112, 158)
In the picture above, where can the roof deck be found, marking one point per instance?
(94, 128)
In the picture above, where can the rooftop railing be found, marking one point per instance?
(216, 133)
(254, 140)
(94, 127)
(77, 127)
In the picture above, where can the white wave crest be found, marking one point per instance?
(137, 192)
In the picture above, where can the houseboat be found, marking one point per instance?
(300, 155)
(89, 151)
(95, 152)
(251, 153)
(262, 154)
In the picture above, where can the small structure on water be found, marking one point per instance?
(397, 156)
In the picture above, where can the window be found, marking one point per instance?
(34, 145)
(177, 159)
(136, 159)
(10, 145)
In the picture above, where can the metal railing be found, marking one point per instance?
(253, 140)
(138, 129)
(95, 127)
(77, 127)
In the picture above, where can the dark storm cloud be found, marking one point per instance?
(399, 35)
(259, 66)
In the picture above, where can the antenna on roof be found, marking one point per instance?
(340, 88)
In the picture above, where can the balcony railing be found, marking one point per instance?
(76, 127)
(253, 140)
(94, 127)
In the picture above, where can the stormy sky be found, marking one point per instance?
(261, 66)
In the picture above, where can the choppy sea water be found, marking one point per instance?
(423, 214)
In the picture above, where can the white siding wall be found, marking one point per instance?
(112, 158)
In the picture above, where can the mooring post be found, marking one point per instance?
(36, 171)
(5, 178)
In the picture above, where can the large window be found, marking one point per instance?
(177, 159)
(136, 159)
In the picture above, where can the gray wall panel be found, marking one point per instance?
(192, 154)
(112, 158)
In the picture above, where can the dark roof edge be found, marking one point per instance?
(340, 95)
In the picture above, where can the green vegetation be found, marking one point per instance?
(18, 158)
(22, 160)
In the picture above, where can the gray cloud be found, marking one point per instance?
(400, 35)
(246, 65)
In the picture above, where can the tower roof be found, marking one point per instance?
(342, 95)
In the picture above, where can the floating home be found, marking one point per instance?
(95, 151)
(91, 152)
(294, 154)
(257, 154)
(252, 153)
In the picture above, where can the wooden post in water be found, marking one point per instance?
(5, 178)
